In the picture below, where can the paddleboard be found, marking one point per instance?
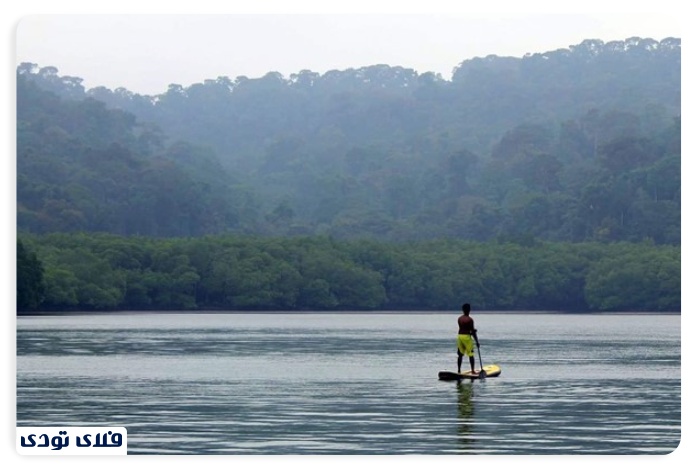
(492, 370)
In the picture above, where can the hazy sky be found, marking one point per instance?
(146, 53)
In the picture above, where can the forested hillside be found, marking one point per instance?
(547, 182)
(579, 144)
(83, 167)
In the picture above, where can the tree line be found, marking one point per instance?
(105, 272)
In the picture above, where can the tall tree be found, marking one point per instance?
(30, 279)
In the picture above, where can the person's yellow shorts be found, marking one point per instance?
(465, 345)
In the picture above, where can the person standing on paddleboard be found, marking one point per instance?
(465, 338)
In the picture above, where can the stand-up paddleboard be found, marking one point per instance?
(492, 370)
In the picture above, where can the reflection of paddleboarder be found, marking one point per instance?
(465, 392)
(465, 338)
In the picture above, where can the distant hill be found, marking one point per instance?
(569, 145)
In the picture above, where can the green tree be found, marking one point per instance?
(30, 279)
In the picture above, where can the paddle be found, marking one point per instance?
(482, 373)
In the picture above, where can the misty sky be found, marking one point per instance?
(146, 53)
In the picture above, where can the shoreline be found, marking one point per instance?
(332, 312)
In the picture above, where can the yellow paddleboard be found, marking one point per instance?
(492, 370)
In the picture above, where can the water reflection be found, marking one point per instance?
(465, 408)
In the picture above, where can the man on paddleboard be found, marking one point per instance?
(465, 338)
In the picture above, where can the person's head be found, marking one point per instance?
(466, 308)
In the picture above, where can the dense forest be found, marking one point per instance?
(578, 146)
(107, 272)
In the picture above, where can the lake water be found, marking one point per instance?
(355, 383)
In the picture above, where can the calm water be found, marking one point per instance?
(355, 384)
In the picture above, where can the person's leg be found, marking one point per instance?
(459, 362)
(470, 353)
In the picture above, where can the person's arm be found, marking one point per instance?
(476, 338)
